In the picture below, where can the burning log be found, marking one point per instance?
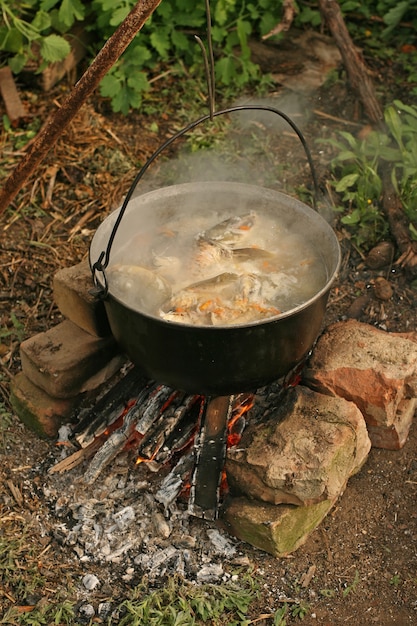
(174, 482)
(94, 420)
(162, 424)
(174, 421)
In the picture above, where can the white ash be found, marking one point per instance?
(90, 581)
(86, 611)
(118, 522)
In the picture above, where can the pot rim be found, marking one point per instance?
(227, 185)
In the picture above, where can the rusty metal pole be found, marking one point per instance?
(61, 117)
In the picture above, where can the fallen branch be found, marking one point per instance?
(289, 10)
(60, 118)
(358, 74)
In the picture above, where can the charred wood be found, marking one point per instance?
(210, 451)
(92, 421)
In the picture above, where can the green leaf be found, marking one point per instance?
(394, 123)
(346, 155)
(352, 218)
(165, 10)
(138, 82)
(404, 107)
(17, 63)
(180, 41)
(54, 48)
(47, 5)
(109, 86)
(41, 21)
(351, 140)
(220, 12)
(160, 41)
(71, 10)
(119, 15)
(243, 30)
(136, 55)
(11, 40)
(225, 70)
(394, 16)
(347, 181)
(413, 231)
(7, 125)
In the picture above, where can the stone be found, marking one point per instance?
(276, 529)
(304, 453)
(372, 368)
(64, 360)
(394, 437)
(380, 256)
(72, 287)
(382, 288)
(37, 410)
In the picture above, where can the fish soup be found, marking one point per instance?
(218, 269)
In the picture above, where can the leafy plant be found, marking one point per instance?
(352, 587)
(359, 166)
(395, 580)
(29, 29)
(35, 27)
(182, 604)
(18, 329)
(297, 609)
(359, 186)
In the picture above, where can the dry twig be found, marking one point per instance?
(289, 10)
(59, 120)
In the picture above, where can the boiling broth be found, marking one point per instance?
(217, 269)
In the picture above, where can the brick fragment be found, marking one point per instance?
(72, 296)
(38, 410)
(372, 368)
(394, 437)
(63, 359)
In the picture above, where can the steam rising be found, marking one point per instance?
(164, 259)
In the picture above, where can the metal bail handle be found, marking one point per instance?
(101, 264)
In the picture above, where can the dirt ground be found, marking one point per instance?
(364, 553)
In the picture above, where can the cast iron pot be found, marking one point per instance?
(206, 359)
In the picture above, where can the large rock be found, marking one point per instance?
(305, 452)
(372, 368)
(278, 530)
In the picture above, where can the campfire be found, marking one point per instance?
(182, 436)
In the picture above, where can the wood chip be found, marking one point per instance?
(307, 576)
(16, 493)
(14, 107)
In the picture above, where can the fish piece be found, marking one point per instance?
(224, 284)
(138, 287)
(229, 231)
(210, 253)
(241, 255)
(169, 267)
(223, 300)
(194, 304)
